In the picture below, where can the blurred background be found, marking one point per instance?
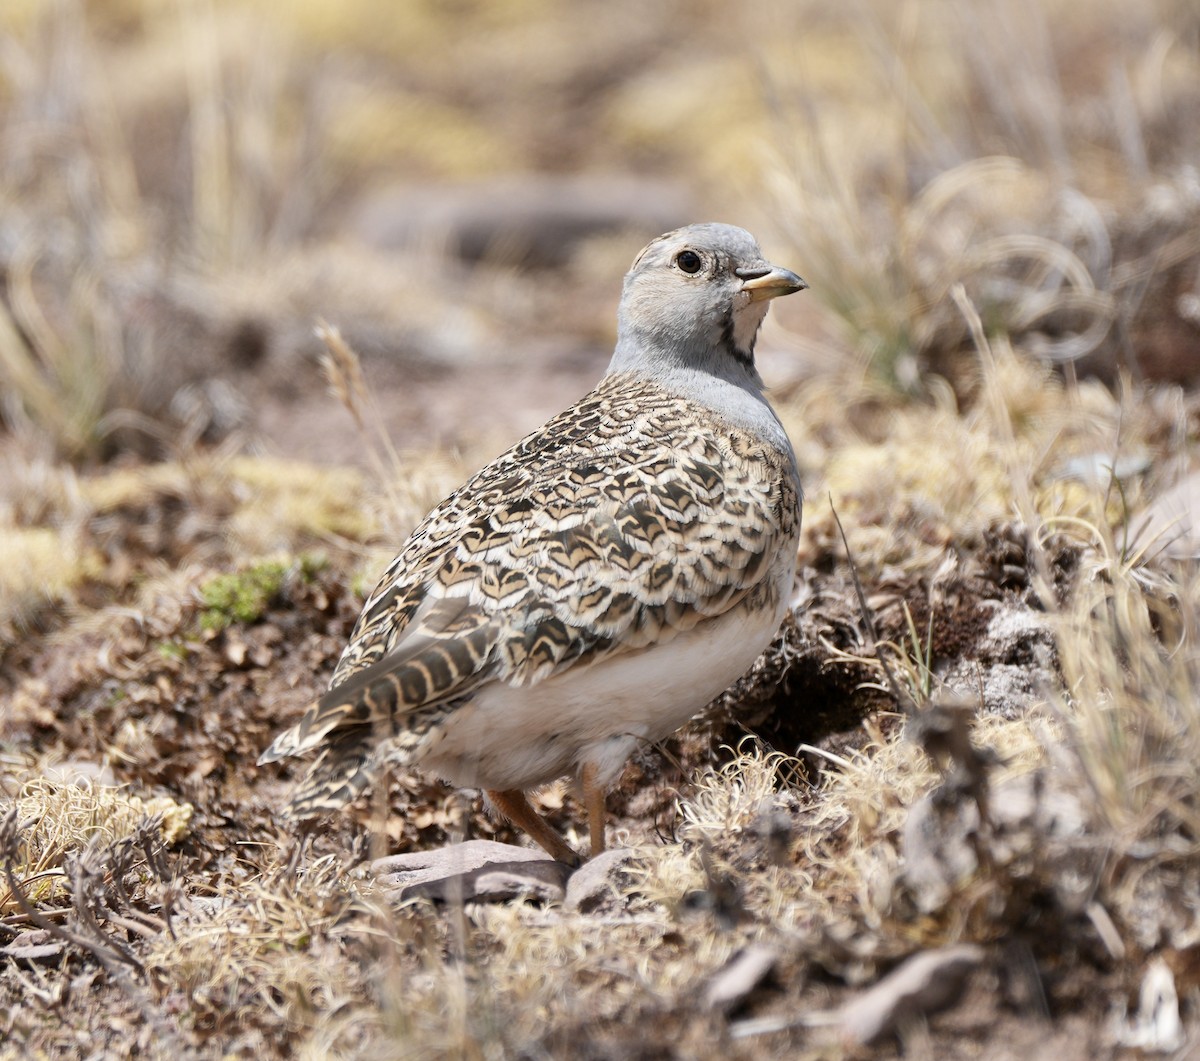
(993, 377)
(187, 186)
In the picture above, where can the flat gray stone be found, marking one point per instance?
(598, 881)
(533, 219)
(475, 871)
(538, 881)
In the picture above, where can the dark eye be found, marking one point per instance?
(689, 261)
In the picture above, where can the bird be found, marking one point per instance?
(595, 586)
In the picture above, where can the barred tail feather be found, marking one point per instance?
(366, 702)
(424, 670)
(341, 774)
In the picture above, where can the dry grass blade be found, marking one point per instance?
(19, 365)
(903, 699)
(1018, 472)
(343, 371)
(216, 222)
(60, 383)
(1130, 666)
(91, 941)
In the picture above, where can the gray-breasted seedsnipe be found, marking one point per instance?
(596, 585)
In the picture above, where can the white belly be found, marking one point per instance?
(509, 737)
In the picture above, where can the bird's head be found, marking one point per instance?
(695, 298)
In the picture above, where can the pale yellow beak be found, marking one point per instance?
(769, 281)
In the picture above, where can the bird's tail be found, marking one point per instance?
(394, 703)
(343, 771)
(354, 726)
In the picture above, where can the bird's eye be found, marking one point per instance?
(689, 261)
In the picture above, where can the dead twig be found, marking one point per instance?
(86, 873)
(98, 946)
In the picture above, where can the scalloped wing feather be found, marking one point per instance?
(629, 518)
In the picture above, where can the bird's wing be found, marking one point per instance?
(618, 525)
(438, 654)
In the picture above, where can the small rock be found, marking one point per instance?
(538, 881)
(598, 881)
(1156, 1027)
(1170, 524)
(534, 220)
(475, 871)
(1010, 665)
(34, 945)
(80, 772)
(456, 858)
(739, 976)
(198, 907)
(235, 649)
(937, 849)
(1100, 469)
(940, 840)
(923, 984)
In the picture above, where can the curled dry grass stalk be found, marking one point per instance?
(1131, 674)
(888, 223)
(889, 296)
(59, 819)
(728, 799)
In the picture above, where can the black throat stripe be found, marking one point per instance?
(745, 357)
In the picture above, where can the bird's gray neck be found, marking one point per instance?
(660, 357)
(719, 343)
(730, 387)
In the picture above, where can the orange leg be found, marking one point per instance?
(515, 807)
(593, 799)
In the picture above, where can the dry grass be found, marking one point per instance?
(1129, 704)
(59, 819)
(1028, 199)
(264, 958)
